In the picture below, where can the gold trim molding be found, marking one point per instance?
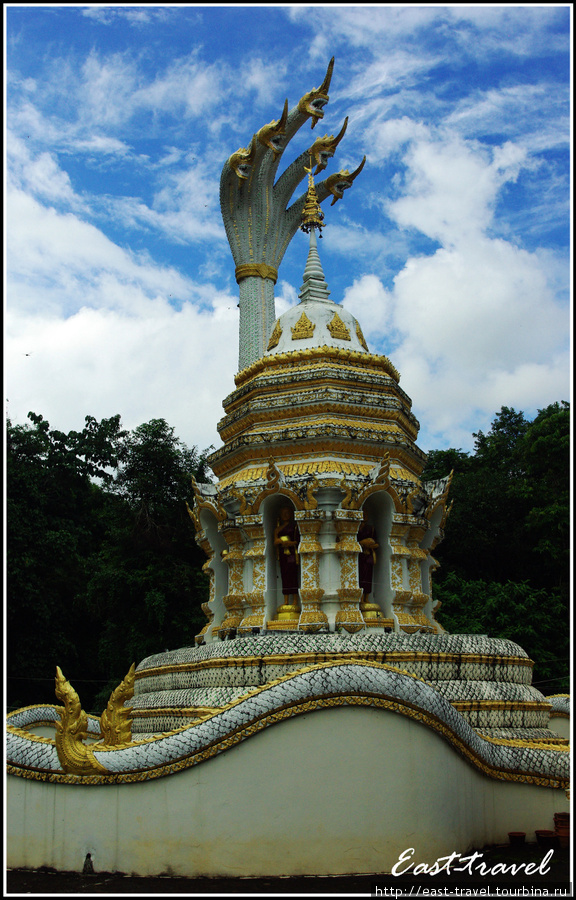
(257, 270)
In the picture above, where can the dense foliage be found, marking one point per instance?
(103, 568)
(505, 567)
(102, 565)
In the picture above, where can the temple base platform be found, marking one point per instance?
(294, 754)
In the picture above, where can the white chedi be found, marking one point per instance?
(316, 321)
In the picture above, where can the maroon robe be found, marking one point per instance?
(366, 558)
(288, 558)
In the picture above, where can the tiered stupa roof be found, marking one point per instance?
(318, 397)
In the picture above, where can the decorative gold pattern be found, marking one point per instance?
(312, 215)
(360, 337)
(311, 501)
(275, 336)
(303, 328)
(306, 468)
(383, 476)
(256, 270)
(335, 421)
(72, 729)
(202, 503)
(245, 505)
(347, 488)
(115, 721)
(338, 329)
(323, 355)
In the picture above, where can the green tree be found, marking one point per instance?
(440, 463)
(545, 455)
(55, 517)
(505, 556)
(147, 583)
(531, 617)
(102, 565)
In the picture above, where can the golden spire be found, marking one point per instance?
(312, 215)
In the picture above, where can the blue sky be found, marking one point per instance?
(451, 248)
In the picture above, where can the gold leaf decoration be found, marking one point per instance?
(361, 338)
(72, 729)
(275, 336)
(115, 721)
(303, 328)
(311, 501)
(338, 329)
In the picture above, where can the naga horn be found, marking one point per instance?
(325, 86)
(341, 134)
(283, 118)
(357, 171)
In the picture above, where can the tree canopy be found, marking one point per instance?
(505, 556)
(102, 565)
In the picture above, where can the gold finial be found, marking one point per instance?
(312, 215)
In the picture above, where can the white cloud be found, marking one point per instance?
(138, 16)
(389, 136)
(469, 29)
(285, 296)
(369, 301)
(479, 305)
(101, 144)
(452, 185)
(536, 114)
(258, 75)
(176, 365)
(59, 262)
(121, 347)
(470, 330)
(477, 324)
(38, 173)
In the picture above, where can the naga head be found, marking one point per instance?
(313, 103)
(324, 148)
(271, 135)
(339, 182)
(242, 161)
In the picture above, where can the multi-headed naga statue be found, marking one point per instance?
(259, 223)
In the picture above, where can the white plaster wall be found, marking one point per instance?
(335, 791)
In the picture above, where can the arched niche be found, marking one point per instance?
(379, 508)
(270, 510)
(219, 567)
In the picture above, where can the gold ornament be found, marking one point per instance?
(338, 329)
(256, 270)
(339, 182)
(270, 135)
(312, 215)
(303, 328)
(311, 103)
(242, 161)
(275, 336)
(72, 729)
(115, 721)
(360, 337)
(325, 147)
